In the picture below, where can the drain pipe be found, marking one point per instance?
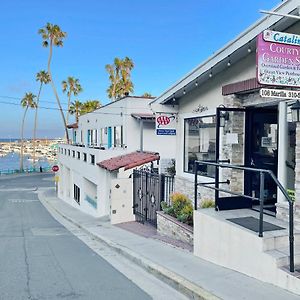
(141, 135)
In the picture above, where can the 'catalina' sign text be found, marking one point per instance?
(277, 63)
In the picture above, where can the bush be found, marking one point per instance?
(207, 203)
(181, 208)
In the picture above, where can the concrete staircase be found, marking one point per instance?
(222, 242)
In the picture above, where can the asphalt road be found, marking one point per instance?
(41, 259)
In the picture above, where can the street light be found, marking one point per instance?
(295, 109)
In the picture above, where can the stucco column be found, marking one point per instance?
(282, 149)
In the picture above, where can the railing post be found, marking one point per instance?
(196, 184)
(291, 236)
(162, 181)
(261, 200)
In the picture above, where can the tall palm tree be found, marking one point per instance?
(28, 101)
(52, 35)
(119, 76)
(114, 77)
(44, 78)
(71, 86)
(75, 109)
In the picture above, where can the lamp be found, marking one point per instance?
(224, 116)
(295, 109)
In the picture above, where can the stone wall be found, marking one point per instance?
(187, 187)
(169, 226)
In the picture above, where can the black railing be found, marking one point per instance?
(262, 173)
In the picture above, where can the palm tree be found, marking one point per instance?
(44, 78)
(75, 109)
(126, 85)
(71, 86)
(89, 106)
(147, 95)
(28, 101)
(53, 36)
(114, 77)
(119, 76)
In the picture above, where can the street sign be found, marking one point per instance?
(280, 94)
(55, 168)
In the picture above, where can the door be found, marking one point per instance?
(262, 152)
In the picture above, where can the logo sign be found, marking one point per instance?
(165, 124)
(55, 168)
(281, 37)
(279, 94)
(277, 63)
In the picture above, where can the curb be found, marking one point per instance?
(178, 282)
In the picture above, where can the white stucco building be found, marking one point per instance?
(222, 117)
(115, 130)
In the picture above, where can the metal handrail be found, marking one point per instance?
(262, 173)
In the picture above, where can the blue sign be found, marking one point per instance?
(166, 131)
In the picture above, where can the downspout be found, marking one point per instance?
(141, 134)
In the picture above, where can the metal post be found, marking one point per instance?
(162, 187)
(291, 236)
(196, 184)
(261, 200)
(218, 114)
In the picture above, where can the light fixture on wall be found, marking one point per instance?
(224, 116)
(295, 109)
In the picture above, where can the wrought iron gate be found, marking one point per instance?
(149, 190)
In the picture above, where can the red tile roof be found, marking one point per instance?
(75, 125)
(128, 161)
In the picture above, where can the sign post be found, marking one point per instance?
(55, 168)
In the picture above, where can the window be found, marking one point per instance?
(118, 136)
(84, 156)
(78, 155)
(69, 152)
(65, 151)
(76, 193)
(73, 153)
(200, 143)
(92, 159)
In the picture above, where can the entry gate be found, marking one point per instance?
(149, 190)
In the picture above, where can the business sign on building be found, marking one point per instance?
(278, 63)
(279, 94)
(165, 124)
(281, 37)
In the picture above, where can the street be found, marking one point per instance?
(41, 259)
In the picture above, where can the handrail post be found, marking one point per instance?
(291, 236)
(261, 200)
(196, 184)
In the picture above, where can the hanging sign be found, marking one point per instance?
(281, 37)
(277, 63)
(165, 124)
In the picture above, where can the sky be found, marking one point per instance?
(164, 38)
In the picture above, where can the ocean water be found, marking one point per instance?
(11, 162)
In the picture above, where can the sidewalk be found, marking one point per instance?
(196, 278)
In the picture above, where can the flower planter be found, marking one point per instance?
(171, 227)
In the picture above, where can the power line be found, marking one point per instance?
(65, 110)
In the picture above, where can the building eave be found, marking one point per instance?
(238, 47)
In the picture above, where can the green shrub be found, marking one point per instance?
(181, 208)
(207, 203)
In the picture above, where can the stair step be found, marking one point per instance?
(280, 241)
(282, 256)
